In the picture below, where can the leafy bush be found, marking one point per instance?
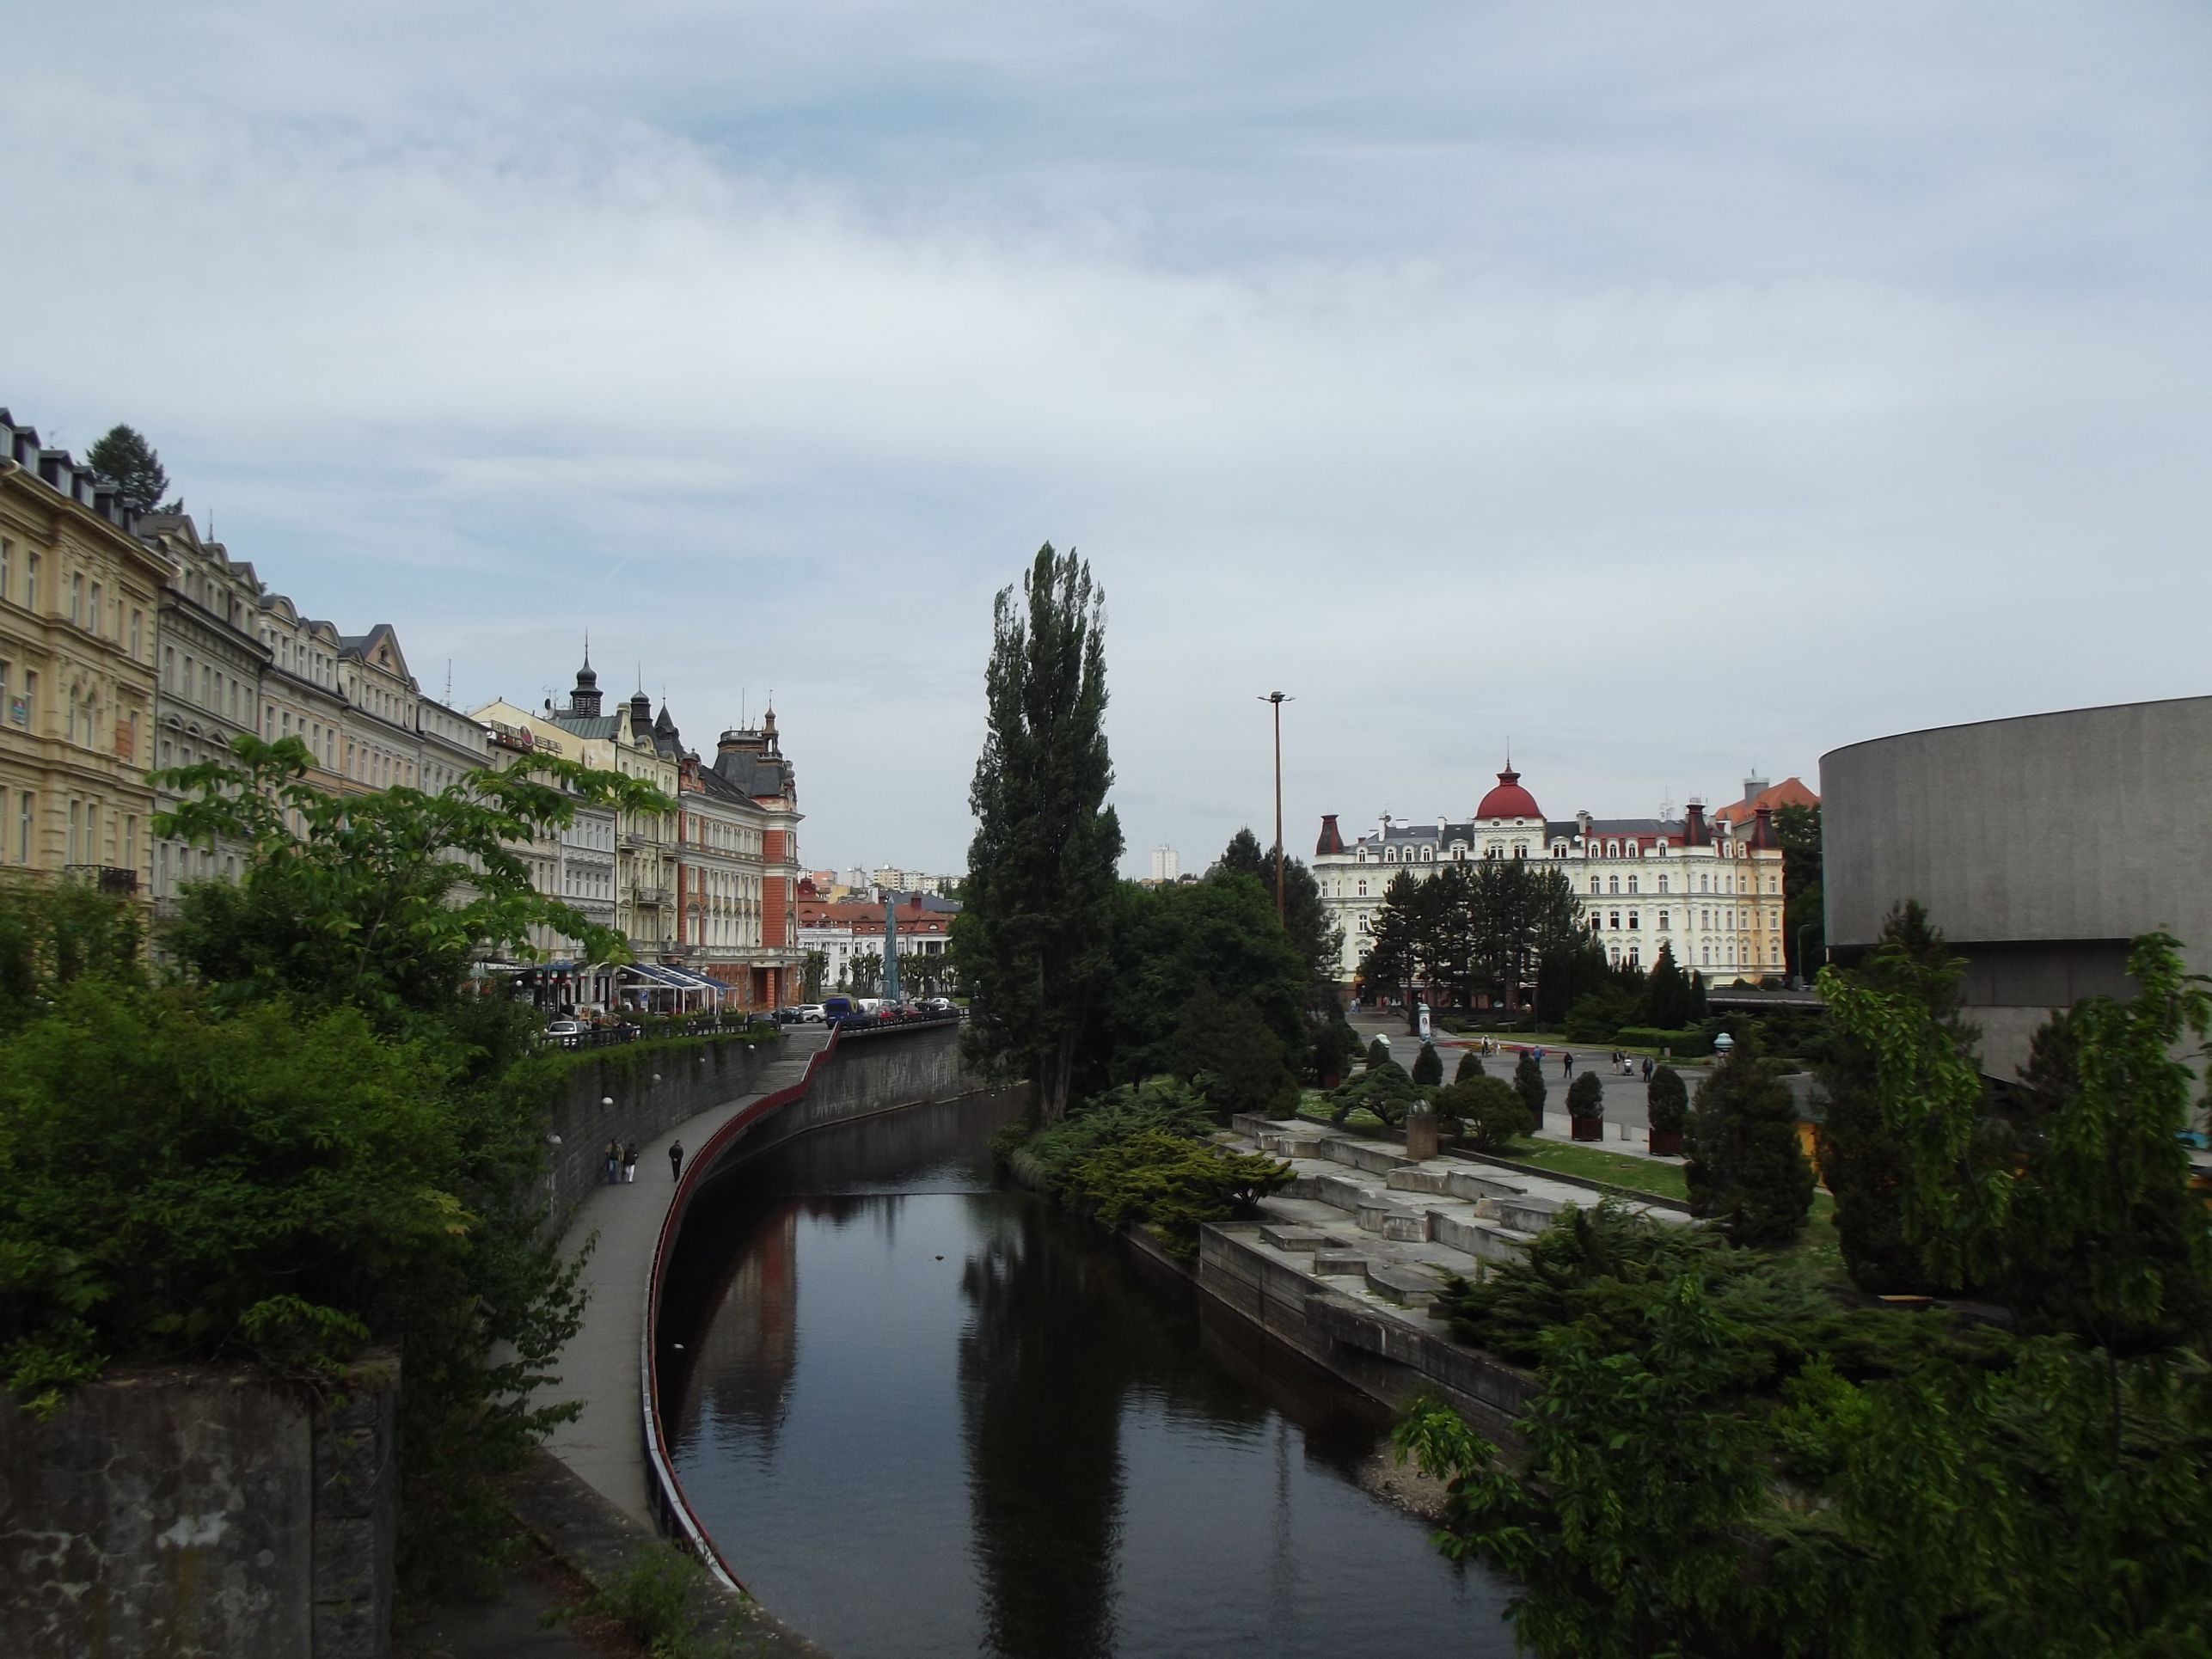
(1586, 1097)
(1225, 1048)
(1489, 1113)
(1529, 1084)
(1596, 1016)
(1470, 1065)
(1427, 1065)
(1335, 1050)
(1667, 1098)
(1384, 1090)
(1686, 1044)
(1158, 1103)
(1378, 1053)
(650, 1600)
(1173, 1183)
(1746, 1168)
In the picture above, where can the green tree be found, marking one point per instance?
(1529, 1084)
(1667, 1001)
(1427, 1065)
(383, 902)
(1225, 1048)
(1570, 969)
(1034, 944)
(1395, 945)
(1666, 1098)
(1172, 944)
(126, 460)
(1520, 911)
(1804, 899)
(1586, 1097)
(815, 969)
(1491, 1115)
(865, 972)
(1864, 1162)
(1313, 933)
(1746, 1168)
(1335, 1050)
(1470, 1066)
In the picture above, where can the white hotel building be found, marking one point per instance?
(1712, 890)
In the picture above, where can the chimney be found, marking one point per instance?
(1694, 833)
(1582, 821)
(1331, 840)
(1762, 826)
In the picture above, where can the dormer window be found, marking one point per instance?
(1558, 849)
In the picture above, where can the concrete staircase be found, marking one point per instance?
(1396, 1226)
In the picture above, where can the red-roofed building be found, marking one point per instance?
(1758, 793)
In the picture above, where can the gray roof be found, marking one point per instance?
(587, 726)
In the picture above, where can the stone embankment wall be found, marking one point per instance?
(194, 1511)
(654, 1089)
(870, 1072)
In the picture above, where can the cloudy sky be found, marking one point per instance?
(1672, 389)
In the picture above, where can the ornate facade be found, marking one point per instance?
(79, 602)
(1710, 888)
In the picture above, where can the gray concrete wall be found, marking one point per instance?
(653, 1090)
(192, 1512)
(2040, 845)
(869, 1072)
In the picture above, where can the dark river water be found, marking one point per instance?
(923, 1415)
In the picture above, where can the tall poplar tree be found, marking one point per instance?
(134, 466)
(1034, 943)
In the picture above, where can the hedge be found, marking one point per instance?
(1651, 1037)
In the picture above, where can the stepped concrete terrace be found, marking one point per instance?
(599, 1366)
(1347, 1260)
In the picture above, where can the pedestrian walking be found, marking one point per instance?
(614, 1161)
(675, 1160)
(1566, 1063)
(630, 1164)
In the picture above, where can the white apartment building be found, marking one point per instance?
(1167, 865)
(1712, 891)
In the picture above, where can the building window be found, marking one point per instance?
(1594, 887)
(1635, 956)
(1614, 921)
(1614, 884)
(30, 581)
(1632, 916)
(1663, 921)
(28, 816)
(92, 616)
(77, 606)
(1663, 884)
(137, 619)
(1631, 883)
(6, 564)
(1558, 849)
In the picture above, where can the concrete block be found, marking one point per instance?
(1472, 1185)
(1417, 1178)
(1370, 1155)
(1342, 1191)
(1335, 1264)
(1420, 1134)
(1286, 1236)
(1414, 1287)
(1406, 1227)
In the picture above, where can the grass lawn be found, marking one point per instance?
(1645, 1174)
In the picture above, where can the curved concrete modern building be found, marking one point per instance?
(2040, 846)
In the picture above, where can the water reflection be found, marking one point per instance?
(983, 1429)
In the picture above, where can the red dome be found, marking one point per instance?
(1509, 799)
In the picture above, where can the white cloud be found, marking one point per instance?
(1673, 392)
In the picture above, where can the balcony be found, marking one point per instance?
(636, 840)
(106, 877)
(650, 895)
(681, 950)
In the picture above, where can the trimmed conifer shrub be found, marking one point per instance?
(1529, 1084)
(1746, 1168)
(1488, 1112)
(1666, 1097)
(1586, 1097)
(1427, 1065)
(1378, 1053)
(1470, 1065)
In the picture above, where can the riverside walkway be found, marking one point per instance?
(599, 1366)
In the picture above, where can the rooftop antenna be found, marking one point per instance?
(448, 679)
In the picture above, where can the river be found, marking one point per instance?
(922, 1414)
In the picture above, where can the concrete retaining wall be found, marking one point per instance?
(654, 1089)
(1380, 1357)
(188, 1512)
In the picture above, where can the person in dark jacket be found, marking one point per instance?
(630, 1164)
(675, 1160)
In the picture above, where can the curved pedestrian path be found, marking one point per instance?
(599, 1366)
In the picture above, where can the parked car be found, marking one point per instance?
(836, 1010)
(812, 1013)
(566, 1032)
(938, 1008)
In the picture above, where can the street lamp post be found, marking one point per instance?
(1279, 698)
(1805, 968)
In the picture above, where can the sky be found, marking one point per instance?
(1668, 391)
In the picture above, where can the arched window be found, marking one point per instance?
(1617, 955)
(1630, 849)
(1613, 882)
(1705, 955)
(1593, 885)
(1520, 849)
(1631, 883)
(1613, 849)
(1635, 957)
(1362, 891)
(1558, 849)
(1663, 884)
